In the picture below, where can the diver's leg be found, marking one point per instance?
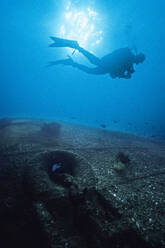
(91, 57)
(61, 62)
(96, 70)
(69, 61)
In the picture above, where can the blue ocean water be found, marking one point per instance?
(28, 88)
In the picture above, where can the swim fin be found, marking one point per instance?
(59, 42)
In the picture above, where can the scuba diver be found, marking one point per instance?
(118, 64)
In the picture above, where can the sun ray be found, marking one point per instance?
(81, 25)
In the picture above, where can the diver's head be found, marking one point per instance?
(140, 58)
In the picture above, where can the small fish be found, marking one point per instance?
(55, 167)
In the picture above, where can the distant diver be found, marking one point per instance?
(118, 64)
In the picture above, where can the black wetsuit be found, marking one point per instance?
(118, 63)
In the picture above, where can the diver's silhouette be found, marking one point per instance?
(117, 64)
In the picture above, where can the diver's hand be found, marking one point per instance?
(127, 76)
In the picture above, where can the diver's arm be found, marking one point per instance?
(128, 72)
(127, 75)
(131, 69)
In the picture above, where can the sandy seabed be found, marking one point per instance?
(110, 182)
